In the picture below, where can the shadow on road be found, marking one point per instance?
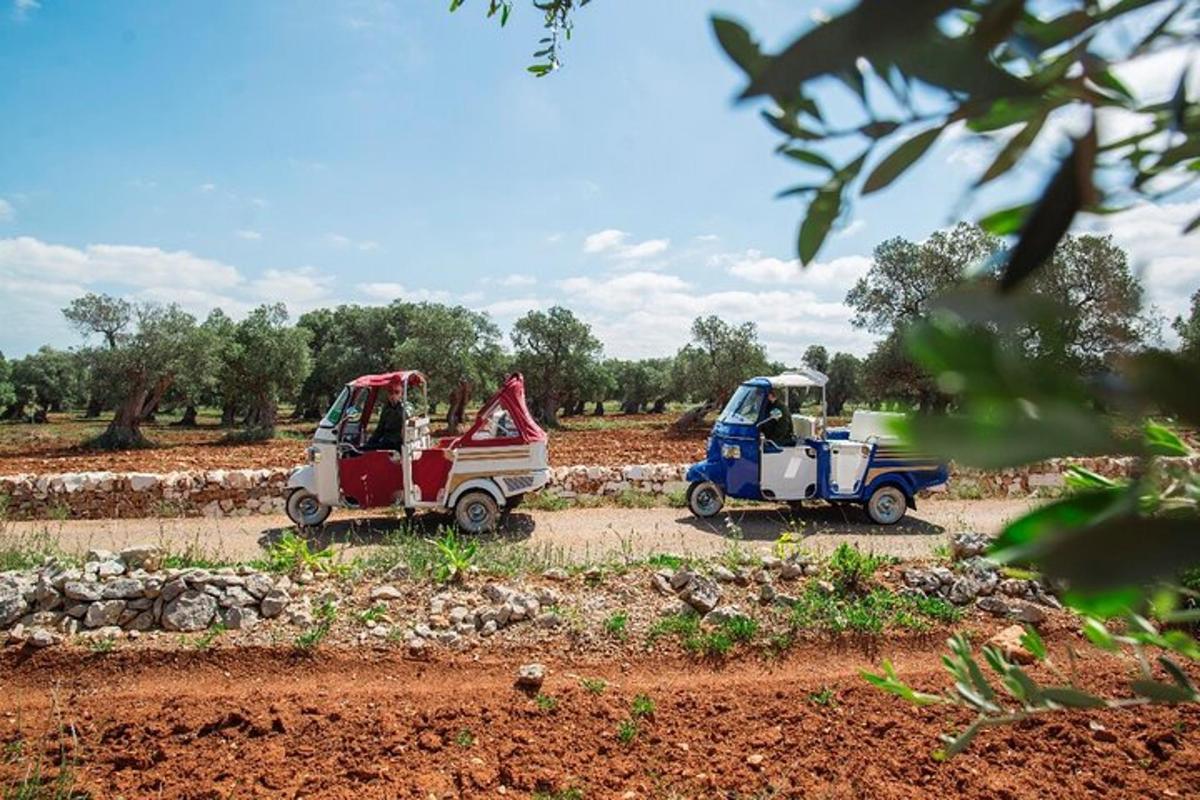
(366, 531)
(766, 524)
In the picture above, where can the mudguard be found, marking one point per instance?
(304, 477)
(486, 484)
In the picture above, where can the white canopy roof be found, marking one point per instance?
(799, 379)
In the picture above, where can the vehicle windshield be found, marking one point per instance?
(334, 414)
(744, 406)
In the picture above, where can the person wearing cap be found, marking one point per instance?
(777, 423)
(389, 432)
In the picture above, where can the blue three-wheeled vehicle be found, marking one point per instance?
(862, 463)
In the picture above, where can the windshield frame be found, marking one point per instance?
(735, 410)
(334, 415)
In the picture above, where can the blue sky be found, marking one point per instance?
(232, 153)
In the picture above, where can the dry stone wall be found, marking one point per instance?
(223, 493)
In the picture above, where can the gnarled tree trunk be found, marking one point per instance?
(693, 417)
(458, 406)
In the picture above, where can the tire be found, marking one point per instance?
(705, 499)
(304, 509)
(476, 512)
(886, 505)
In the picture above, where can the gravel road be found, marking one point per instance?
(581, 533)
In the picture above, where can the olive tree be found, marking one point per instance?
(845, 382)
(1188, 328)
(107, 317)
(816, 357)
(270, 360)
(555, 350)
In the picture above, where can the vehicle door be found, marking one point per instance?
(787, 470)
(367, 478)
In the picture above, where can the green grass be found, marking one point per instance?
(290, 554)
(965, 489)
(205, 640)
(642, 706)
(104, 645)
(545, 501)
(311, 638)
(850, 570)
(545, 702)
(627, 731)
(868, 614)
(22, 551)
(632, 498)
(372, 614)
(617, 625)
(571, 793)
(825, 697)
(493, 556)
(694, 638)
(464, 738)
(594, 685)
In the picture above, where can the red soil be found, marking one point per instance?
(639, 439)
(368, 724)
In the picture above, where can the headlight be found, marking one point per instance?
(731, 451)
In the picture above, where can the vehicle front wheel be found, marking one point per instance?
(886, 505)
(304, 509)
(476, 512)
(705, 499)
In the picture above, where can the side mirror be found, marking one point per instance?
(776, 414)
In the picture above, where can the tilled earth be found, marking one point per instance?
(362, 723)
(55, 447)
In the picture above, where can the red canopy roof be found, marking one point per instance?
(389, 379)
(512, 397)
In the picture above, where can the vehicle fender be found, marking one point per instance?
(304, 477)
(901, 481)
(705, 471)
(486, 484)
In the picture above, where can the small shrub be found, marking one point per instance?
(741, 629)
(685, 624)
(632, 498)
(464, 738)
(594, 685)
(616, 625)
(627, 731)
(665, 561)
(545, 501)
(290, 554)
(310, 639)
(454, 556)
(104, 645)
(825, 697)
(964, 489)
(372, 614)
(642, 706)
(546, 702)
(850, 570)
(677, 498)
(206, 639)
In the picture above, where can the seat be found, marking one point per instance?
(804, 427)
(868, 425)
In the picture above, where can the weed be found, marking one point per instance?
(868, 614)
(616, 625)
(290, 554)
(205, 641)
(684, 624)
(627, 731)
(787, 546)
(454, 556)
(851, 570)
(102, 645)
(642, 706)
(964, 489)
(778, 644)
(545, 501)
(825, 697)
(572, 793)
(741, 629)
(59, 512)
(545, 702)
(632, 498)
(668, 561)
(677, 498)
(372, 614)
(594, 685)
(942, 552)
(311, 638)
(464, 738)
(13, 750)
(21, 551)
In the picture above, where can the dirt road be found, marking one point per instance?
(367, 724)
(577, 533)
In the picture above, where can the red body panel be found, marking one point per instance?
(371, 479)
(429, 472)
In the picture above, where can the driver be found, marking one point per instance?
(777, 427)
(389, 433)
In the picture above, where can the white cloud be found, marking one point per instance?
(613, 243)
(387, 291)
(338, 240)
(554, 238)
(708, 237)
(23, 8)
(516, 279)
(6, 210)
(510, 309)
(208, 187)
(828, 278)
(249, 235)
(851, 229)
(1167, 261)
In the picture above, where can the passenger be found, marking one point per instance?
(389, 433)
(778, 428)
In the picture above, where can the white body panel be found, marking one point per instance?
(865, 425)
(787, 475)
(848, 462)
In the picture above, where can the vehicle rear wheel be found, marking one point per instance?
(304, 509)
(705, 499)
(476, 512)
(887, 505)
